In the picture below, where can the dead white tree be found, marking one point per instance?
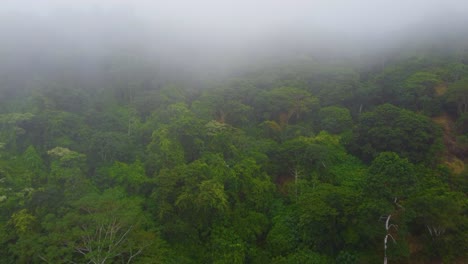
(296, 172)
(106, 242)
(388, 226)
(385, 247)
(435, 231)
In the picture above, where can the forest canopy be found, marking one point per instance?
(245, 170)
(215, 140)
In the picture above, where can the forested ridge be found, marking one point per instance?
(312, 160)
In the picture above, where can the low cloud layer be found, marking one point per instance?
(209, 33)
(358, 15)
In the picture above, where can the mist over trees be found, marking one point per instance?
(222, 132)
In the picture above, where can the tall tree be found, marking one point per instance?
(389, 128)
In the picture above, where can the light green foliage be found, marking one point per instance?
(165, 151)
(207, 197)
(22, 221)
(178, 115)
(225, 139)
(60, 152)
(14, 118)
(193, 190)
(422, 81)
(20, 228)
(67, 158)
(214, 128)
(132, 176)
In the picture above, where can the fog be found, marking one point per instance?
(208, 37)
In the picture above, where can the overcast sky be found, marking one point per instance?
(184, 31)
(356, 15)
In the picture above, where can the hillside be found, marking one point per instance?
(312, 161)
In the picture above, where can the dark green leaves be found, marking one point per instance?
(389, 128)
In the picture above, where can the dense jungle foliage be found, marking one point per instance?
(307, 161)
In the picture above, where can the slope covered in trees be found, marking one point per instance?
(317, 161)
